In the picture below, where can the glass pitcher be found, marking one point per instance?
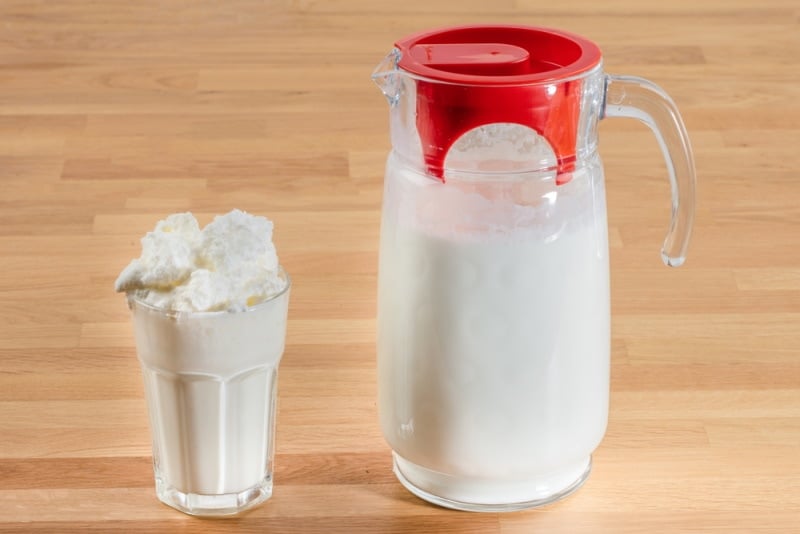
(493, 297)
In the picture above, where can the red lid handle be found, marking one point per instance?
(485, 59)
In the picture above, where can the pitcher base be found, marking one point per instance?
(478, 495)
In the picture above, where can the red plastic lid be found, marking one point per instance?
(514, 74)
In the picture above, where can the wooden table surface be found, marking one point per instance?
(115, 114)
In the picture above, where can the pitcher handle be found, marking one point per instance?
(637, 98)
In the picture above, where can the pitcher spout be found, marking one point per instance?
(387, 77)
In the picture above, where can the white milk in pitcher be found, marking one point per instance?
(493, 336)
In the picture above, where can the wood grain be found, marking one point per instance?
(114, 114)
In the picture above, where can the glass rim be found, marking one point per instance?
(134, 300)
(509, 81)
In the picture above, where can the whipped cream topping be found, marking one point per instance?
(230, 264)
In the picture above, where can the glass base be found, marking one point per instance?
(480, 495)
(213, 505)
